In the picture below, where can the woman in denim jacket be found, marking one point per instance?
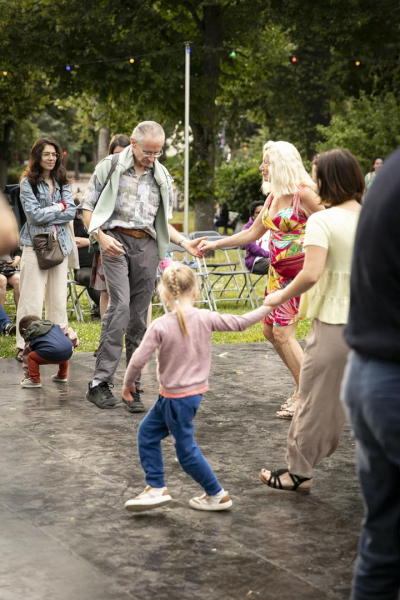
(48, 205)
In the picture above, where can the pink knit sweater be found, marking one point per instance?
(184, 362)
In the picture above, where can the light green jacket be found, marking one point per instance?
(105, 206)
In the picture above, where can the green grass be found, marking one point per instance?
(89, 331)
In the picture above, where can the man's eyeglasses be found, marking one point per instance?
(50, 155)
(149, 153)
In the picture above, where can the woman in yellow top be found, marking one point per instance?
(324, 286)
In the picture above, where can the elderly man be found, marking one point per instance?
(126, 208)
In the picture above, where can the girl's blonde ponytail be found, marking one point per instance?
(175, 293)
(179, 280)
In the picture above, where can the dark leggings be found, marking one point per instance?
(82, 276)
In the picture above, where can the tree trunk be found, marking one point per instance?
(203, 124)
(76, 165)
(4, 153)
(95, 156)
(104, 140)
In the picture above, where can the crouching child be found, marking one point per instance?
(46, 344)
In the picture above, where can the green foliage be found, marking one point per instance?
(14, 174)
(230, 95)
(368, 126)
(88, 167)
(238, 183)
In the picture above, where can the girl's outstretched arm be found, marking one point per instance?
(142, 355)
(237, 322)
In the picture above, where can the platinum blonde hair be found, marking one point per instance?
(286, 169)
(266, 185)
(148, 129)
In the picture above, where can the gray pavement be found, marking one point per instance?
(66, 469)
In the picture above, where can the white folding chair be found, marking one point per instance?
(201, 274)
(229, 279)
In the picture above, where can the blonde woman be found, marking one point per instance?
(291, 201)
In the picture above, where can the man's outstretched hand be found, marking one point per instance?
(191, 246)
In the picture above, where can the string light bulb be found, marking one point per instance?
(68, 68)
(232, 54)
(5, 73)
(131, 60)
(294, 59)
(358, 63)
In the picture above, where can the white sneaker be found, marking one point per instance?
(149, 498)
(59, 379)
(28, 383)
(206, 502)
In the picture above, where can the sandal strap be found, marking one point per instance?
(275, 479)
(297, 481)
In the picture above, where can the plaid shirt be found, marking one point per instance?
(137, 202)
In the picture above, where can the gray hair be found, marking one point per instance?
(148, 129)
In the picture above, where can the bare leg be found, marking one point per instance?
(14, 282)
(149, 314)
(3, 290)
(268, 331)
(104, 300)
(285, 338)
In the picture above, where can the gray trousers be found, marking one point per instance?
(130, 282)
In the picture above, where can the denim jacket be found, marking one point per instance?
(42, 213)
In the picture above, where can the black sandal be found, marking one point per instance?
(274, 481)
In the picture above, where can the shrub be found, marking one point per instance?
(367, 126)
(87, 167)
(238, 184)
(14, 173)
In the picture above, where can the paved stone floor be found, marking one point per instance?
(66, 469)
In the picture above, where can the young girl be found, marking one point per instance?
(183, 343)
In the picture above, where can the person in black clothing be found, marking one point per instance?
(83, 274)
(222, 217)
(371, 388)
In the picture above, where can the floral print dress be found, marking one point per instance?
(287, 237)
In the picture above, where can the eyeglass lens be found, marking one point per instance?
(148, 153)
(48, 154)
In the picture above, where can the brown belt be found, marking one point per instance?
(137, 233)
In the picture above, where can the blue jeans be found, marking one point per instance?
(371, 391)
(174, 416)
(4, 319)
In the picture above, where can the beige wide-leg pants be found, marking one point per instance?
(318, 420)
(37, 286)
